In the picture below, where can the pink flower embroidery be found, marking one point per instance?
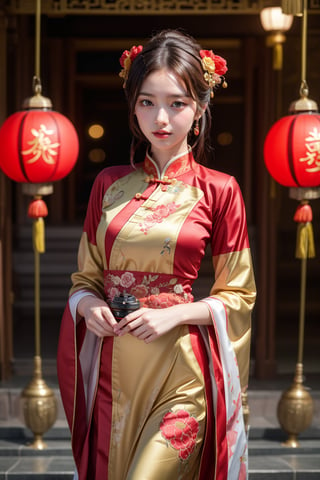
(243, 470)
(139, 291)
(158, 214)
(232, 433)
(127, 279)
(232, 436)
(113, 292)
(163, 300)
(180, 429)
(153, 291)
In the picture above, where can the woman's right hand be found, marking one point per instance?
(97, 315)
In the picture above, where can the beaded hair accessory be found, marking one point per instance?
(213, 66)
(126, 60)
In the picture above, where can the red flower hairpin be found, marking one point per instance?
(126, 60)
(214, 67)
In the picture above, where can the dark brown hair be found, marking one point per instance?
(178, 53)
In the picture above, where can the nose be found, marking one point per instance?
(161, 116)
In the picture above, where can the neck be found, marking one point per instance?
(162, 167)
(162, 160)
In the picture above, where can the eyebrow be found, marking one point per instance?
(175, 95)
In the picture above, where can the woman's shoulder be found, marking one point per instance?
(216, 178)
(115, 171)
(110, 174)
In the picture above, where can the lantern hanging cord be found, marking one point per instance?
(37, 39)
(36, 85)
(304, 87)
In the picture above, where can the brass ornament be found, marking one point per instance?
(295, 409)
(39, 406)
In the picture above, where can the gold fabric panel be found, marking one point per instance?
(117, 196)
(90, 271)
(232, 270)
(132, 251)
(139, 373)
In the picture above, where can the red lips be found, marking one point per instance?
(161, 134)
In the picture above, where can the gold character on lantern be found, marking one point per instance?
(42, 146)
(312, 151)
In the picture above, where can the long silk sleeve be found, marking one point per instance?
(234, 279)
(91, 254)
(90, 264)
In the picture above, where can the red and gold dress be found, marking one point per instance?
(170, 409)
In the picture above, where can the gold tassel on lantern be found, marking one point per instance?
(305, 241)
(37, 210)
(38, 235)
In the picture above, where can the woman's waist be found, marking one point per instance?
(153, 290)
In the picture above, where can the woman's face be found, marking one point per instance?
(165, 113)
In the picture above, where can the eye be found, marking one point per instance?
(144, 102)
(178, 104)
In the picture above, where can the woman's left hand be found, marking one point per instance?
(148, 324)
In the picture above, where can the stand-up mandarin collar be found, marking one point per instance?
(174, 168)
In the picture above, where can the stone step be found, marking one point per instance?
(268, 457)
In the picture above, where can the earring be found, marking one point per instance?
(196, 129)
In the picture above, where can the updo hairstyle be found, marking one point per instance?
(180, 54)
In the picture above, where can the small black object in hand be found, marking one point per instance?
(123, 304)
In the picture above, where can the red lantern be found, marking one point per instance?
(38, 146)
(292, 150)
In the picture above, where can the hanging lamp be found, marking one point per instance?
(292, 157)
(38, 147)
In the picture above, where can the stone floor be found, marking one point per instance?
(268, 458)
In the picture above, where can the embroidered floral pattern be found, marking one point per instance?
(232, 430)
(180, 429)
(158, 215)
(112, 197)
(118, 425)
(154, 291)
(243, 467)
(176, 187)
(166, 249)
(164, 300)
(127, 279)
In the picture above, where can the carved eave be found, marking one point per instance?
(143, 7)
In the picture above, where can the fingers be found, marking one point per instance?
(138, 323)
(130, 322)
(100, 321)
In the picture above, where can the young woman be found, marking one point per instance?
(157, 394)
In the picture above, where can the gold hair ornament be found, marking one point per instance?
(214, 67)
(126, 60)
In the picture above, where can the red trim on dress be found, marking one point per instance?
(207, 466)
(221, 420)
(102, 416)
(70, 381)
